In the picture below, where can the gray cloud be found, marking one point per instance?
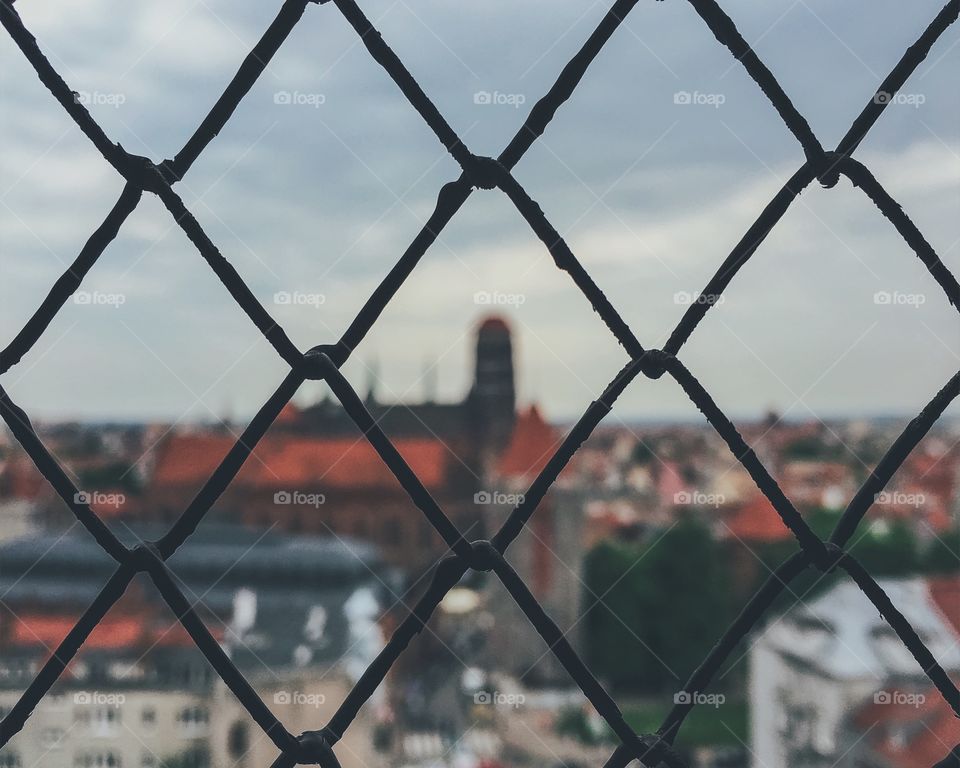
(323, 197)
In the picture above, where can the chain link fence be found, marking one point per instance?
(323, 363)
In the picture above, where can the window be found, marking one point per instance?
(238, 740)
(98, 760)
(10, 759)
(193, 720)
(54, 701)
(121, 670)
(148, 717)
(105, 720)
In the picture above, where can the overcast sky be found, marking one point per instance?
(322, 194)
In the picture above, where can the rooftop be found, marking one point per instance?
(843, 636)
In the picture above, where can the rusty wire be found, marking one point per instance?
(323, 363)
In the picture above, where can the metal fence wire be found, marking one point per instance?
(323, 362)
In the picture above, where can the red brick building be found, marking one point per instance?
(314, 472)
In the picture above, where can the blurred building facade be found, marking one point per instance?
(300, 617)
(830, 678)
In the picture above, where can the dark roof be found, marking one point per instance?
(398, 420)
(228, 555)
(302, 587)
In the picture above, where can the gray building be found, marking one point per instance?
(299, 617)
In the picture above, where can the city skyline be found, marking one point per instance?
(637, 433)
(429, 388)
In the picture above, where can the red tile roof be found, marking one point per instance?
(292, 461)
(670, 483)
(20, 478)
(945, 591)
(146, 629)
(757, 520)
(531, 445)
(111, 502)
(289, 414)
(49, 631)
(910, 732)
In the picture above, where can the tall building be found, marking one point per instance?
(492, 401)
(314, 472)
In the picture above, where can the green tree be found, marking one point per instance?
(943, 554)
(893, 552)
(654, 610)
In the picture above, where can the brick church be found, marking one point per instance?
(315, 473)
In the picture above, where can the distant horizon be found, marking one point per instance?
(646, 420)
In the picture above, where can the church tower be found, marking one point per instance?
(493, 397)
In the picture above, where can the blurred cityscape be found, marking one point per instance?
(643, 552)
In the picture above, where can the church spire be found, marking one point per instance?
(373, 376)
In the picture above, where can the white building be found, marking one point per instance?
(816, 665)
